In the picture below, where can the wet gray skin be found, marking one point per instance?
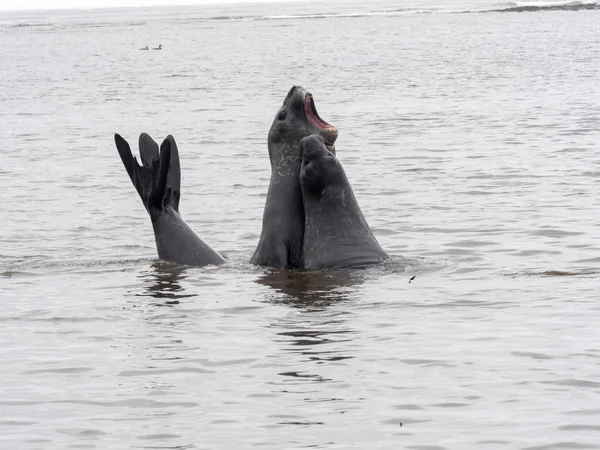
(157, 181)
(280, 243)
(336, 234)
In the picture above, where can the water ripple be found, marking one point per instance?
(470, 141)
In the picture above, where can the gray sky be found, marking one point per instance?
(52, 4)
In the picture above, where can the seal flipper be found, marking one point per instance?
(148, 149)
(125, 154)
(158, 194)
(158, 187)
(136, 173)
(144, 178)
(173, 176)
(149, 153)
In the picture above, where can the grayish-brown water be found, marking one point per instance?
(471, 138)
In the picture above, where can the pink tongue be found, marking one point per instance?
(312, 118)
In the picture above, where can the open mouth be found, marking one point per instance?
(313, 116)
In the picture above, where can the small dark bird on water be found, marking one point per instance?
(412, 278)
(157, 48)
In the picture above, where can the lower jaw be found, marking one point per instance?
(328, 139)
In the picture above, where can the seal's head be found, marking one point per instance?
(296, 119)
(319, 166)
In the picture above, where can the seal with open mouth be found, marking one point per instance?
(280, 243)
(336, 234)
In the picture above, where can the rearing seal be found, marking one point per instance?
(336, 234)
(280, 243)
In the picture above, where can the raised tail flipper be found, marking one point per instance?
(173, 187)
(149, 152)
(149, 179)
(157, 181)
(148, 149)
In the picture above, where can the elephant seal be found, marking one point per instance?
(157, 181)
(336, 234)
(280, 243)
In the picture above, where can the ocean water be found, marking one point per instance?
(470, 133)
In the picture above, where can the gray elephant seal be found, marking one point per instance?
(280, 243)
(157, 181)
(336, 234)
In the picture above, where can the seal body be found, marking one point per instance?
(157, 181)
(336, 234)
(281, 239)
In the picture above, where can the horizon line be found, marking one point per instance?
(35, 8)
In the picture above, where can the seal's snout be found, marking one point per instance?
(312, 145)
(293, 90)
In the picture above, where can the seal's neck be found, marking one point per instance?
(335, 214)
(287, 160)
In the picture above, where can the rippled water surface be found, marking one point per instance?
(471, 137)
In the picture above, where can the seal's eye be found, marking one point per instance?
(282, 115)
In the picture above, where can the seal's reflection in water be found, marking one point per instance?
(163, 283)
(312, 290)
(316, 332)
